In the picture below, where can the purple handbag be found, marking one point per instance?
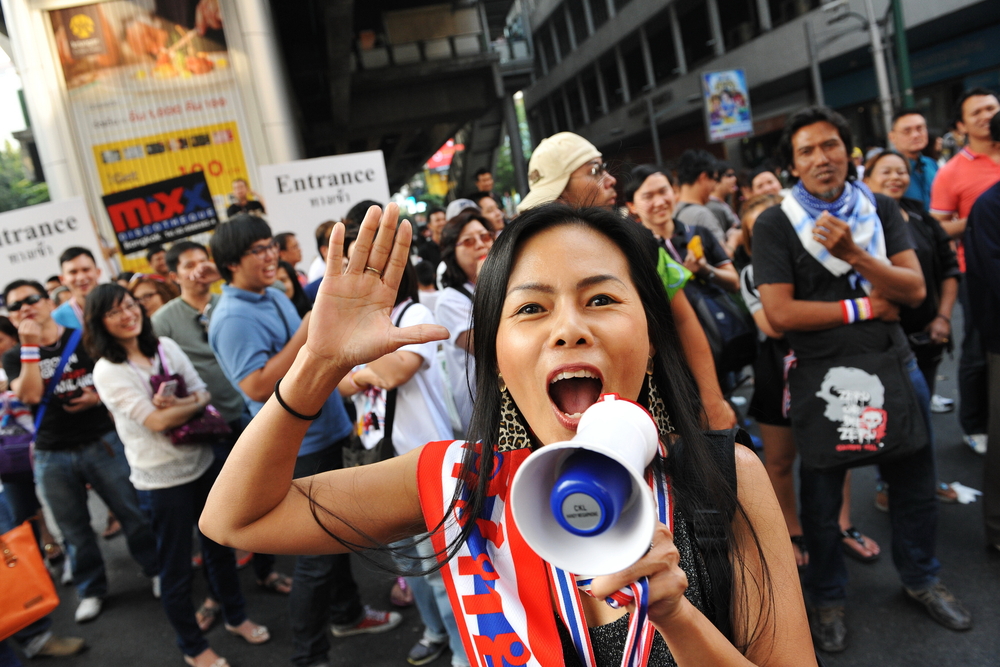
(206, 428)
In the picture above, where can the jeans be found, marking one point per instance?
(324, 590)
(431, 597)
(175, 512)
(62, 477)
(973, 376)
(913, 514)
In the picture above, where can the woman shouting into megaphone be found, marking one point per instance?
(568, 307)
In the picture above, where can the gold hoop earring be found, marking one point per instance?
(501, 383)
(649, 366)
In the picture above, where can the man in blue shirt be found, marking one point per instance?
(909, 136)
(80, 274)
(255, 333)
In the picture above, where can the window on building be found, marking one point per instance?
(543, 41)
(579, 19)
(541, 69)
(635, 67)
(575, 108)
(621, 3)
(661, 47)
(588, 78)
(562, 123)
(695, 31)
(612, 82)
(599, 12)
(783, 11)
(562, 33)
(739, 22)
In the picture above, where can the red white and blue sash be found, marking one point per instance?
(501, 590)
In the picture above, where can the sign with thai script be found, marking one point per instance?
(32, 238)
(727, 105)
(162, 212)
(303, 194)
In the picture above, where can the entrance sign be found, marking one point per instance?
(32, 238)
(727, 105)
(162, 212)
(301, 195)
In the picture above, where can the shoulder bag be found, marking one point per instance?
(28, 591)
(355, 453)
(205, 428)
(854, 410)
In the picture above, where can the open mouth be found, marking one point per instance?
(573, 391)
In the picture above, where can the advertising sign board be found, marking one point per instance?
(727, 105)
(32, 238)
(301, 195)
(161, 212)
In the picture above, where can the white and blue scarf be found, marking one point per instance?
(856, 207)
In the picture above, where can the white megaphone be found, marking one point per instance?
(584, 505)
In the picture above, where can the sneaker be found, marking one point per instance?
(157, 588)
(943, 607)
(940, 404)
(978, 442)
(88, 609)
(828, 628)
(425, 652)
(60, 647)
(67, 574)
(372, 622)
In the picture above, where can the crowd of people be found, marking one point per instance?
(290, 410)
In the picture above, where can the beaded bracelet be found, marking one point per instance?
(30, 354)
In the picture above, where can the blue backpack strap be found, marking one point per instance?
(50, 388)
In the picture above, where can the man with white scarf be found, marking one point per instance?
(833, 264)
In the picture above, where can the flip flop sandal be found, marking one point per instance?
(853, 533)
(800, 542)
(206, 617)
(946, 494)
(258, 635)
(277, 582)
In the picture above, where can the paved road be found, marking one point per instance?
(885, 628)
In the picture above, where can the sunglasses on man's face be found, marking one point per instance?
(27, 301)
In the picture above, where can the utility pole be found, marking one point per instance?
(817, 80)
(881, 73)
(902, 55)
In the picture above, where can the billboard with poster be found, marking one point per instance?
(727, 105)
(152, 96)
(161, 213)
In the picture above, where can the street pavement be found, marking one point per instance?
(885, 628)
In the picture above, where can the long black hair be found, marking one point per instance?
(299, 298)
(699, 484)
(96, 339)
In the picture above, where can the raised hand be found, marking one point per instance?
(350, 319)
(29, 332)
(835, 235)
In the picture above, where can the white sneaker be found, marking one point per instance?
(977, 441)
(940, 404)
(67, 574)
(88, 609)
(157, 589)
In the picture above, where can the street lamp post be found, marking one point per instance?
(881, 73)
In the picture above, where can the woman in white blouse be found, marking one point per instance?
(173, 481)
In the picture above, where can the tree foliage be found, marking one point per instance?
(16, 190)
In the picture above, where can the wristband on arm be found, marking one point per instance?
(856, 310)
(30, 354)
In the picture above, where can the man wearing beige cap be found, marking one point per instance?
(567, 168)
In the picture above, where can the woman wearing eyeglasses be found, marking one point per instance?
(173, 481)
(153, 292)
(465, 241)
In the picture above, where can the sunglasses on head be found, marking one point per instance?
(27, 301)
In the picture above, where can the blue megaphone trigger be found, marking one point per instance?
(590, 493)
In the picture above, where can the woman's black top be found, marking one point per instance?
(937, 262)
